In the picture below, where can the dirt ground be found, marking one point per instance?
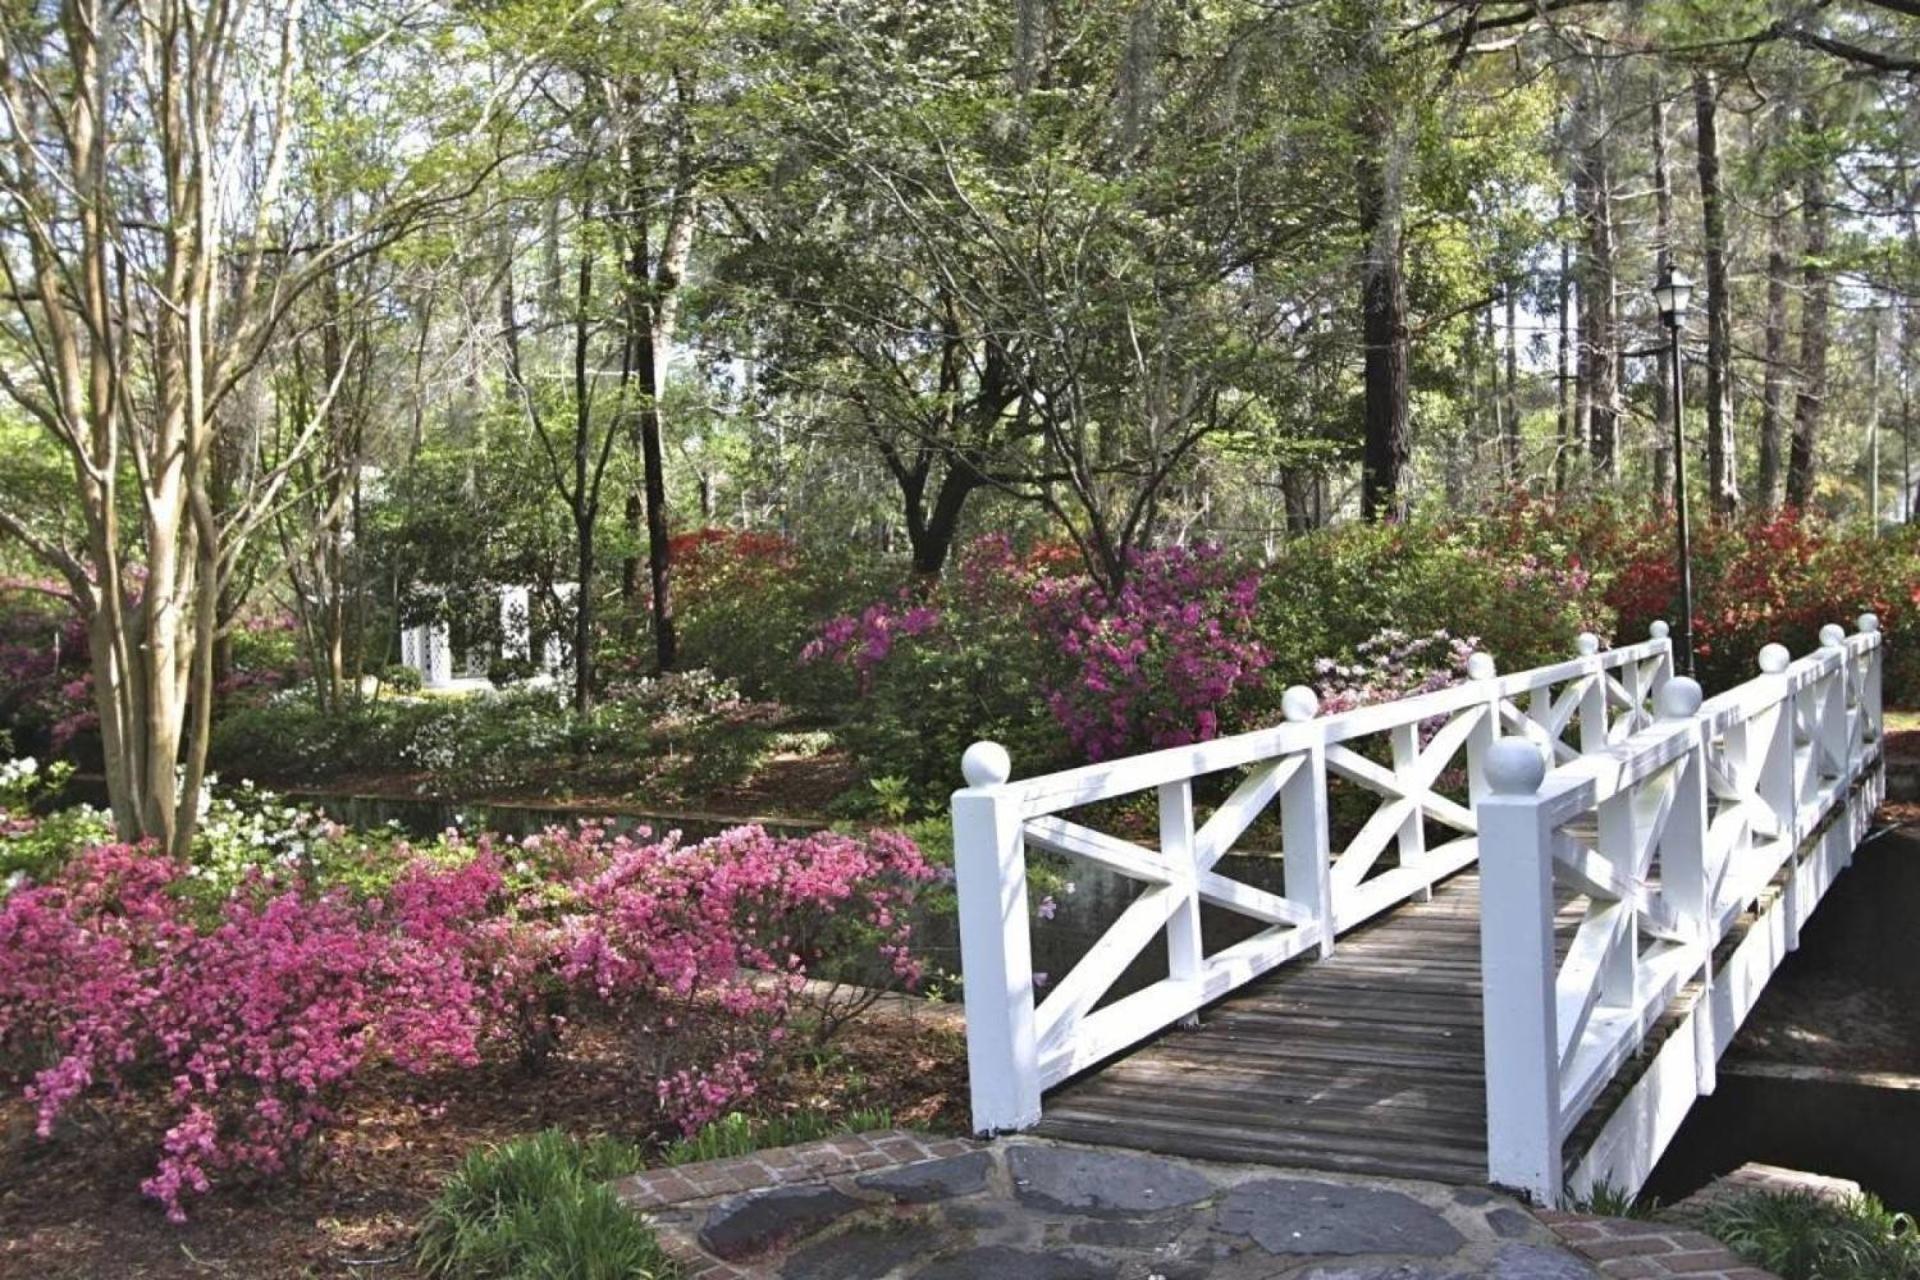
(70, 1208)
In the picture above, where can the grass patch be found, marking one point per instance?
(1608, 1201)
(738, 1135)
(540, 1208)
(1800, 1236)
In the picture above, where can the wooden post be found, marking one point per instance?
(1685, 877)
(1869, 624)
(1186, 957)
(1306, 846)
(990, 879)
(1518, 968)
(1835, 737)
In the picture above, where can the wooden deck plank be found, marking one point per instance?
(1366, 1062)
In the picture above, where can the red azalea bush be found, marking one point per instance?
(1764, 578)
(257, 1010)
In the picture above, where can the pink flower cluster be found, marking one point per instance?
(865, 640)
(1155, 663)
(259, 1019)
(256, 1020)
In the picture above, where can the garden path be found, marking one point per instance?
(900, 1207)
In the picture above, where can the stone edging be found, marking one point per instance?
(1636, 1249)
(1621, 1248)
(659, 1189)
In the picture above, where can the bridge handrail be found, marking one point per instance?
(1018, 1046)
(1740, 807)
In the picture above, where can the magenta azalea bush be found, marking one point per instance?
(255, 1011)
(1158, 662)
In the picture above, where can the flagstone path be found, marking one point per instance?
(898, 1206)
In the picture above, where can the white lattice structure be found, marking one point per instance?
(1722, 822)
(1627, 834)
(1018, 1047)
(427, 647)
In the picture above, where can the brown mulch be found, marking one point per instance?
(70, 1208)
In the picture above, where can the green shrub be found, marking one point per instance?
(540, 1208)
(1801, 1236)
(401, 678)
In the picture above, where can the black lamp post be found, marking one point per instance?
(1672, 295)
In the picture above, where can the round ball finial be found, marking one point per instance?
(1659, 631)
(1480, 666)
(986, 764)
(1299, 703)
(1868, 622)
(1679, 698)
(1587, 643)
(1774, 659)
(1832, 636)
(1515, 767)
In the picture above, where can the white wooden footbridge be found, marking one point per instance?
(1521, 917)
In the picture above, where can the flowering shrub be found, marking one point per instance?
(1763, 578)
(256, 996)
(1393, 665)
(1157, 662)
(863, 641)
(258, 1024)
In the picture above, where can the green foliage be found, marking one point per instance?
(737, 1134)
(1800, 1236)
(35, 838)
(1608, 1201)
(540, 1208)
(1525, 603)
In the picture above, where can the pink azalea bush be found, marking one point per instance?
(256, 1012)
(1160, 661)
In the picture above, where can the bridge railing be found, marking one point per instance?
(1711, 832)
(1406, 755)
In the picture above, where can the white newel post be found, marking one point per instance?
(1305, 843)
(1870, 694)
(1481, 670)
(1662, 632)
(996, 956)
(1837, 739)
(1518, 967)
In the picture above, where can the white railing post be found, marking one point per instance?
(1869, 624)
(1306, 846)
(996, 956)
(1186, 957)
(1518, 969)
(1664, 672)
(1595, 718)
(1685, 878)
(1482, 670)
(1837, 740)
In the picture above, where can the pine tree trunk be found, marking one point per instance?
(1809, 406)
(1775, 378)
(1383, 305)
(1723, 493)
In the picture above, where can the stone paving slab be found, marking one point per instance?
(901, 1206)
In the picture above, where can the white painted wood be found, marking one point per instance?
(1669, 823)
(1518, 974)
(1676, 830)
(990, 879)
